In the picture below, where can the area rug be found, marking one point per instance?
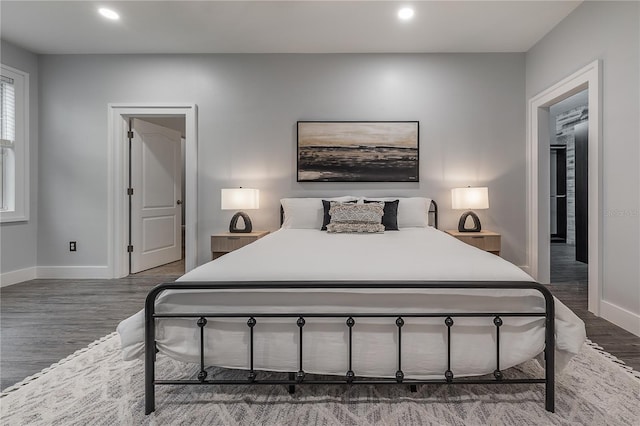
(94, 386)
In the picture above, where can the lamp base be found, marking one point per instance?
(463, 219)
(233, 225)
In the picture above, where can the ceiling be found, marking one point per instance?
(74, 27)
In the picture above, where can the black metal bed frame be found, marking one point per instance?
(350, 377)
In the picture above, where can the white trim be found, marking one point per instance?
(17, 276)
(117, 222)
(538, 221)
(621, 317)
(75, 272)
(22, 188)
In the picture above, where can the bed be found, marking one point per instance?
(413, 306)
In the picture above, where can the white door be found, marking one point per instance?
(156, 214)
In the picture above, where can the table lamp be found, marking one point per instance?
(469, 198)
(240, 199)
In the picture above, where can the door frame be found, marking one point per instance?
(118, 157)
(538, 177)
(158, 256)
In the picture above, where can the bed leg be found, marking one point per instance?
(150, 403)
(549, 353)
(292, 388)
(149, 378)
(549, 402)
(413, 388)
(149, 373)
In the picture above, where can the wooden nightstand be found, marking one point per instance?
(484, 240)
(227, 242)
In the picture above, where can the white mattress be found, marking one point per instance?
(409, 254)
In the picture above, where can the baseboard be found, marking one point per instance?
(18, 276)
(621, 317)
(76, 272)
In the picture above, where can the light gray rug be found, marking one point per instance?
(94, 386)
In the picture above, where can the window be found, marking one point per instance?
(14, 145)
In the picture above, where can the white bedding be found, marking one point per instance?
(306, 254)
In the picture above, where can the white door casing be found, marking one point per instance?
(538, 187)
(118, 177)
(156, 214)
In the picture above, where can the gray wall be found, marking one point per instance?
(18, 239)
(609, 31)
(470, 106)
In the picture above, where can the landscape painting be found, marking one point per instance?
(358, 151)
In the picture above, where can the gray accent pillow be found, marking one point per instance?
(326, 205)
(357, 218)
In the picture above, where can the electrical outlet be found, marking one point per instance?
(72, 246)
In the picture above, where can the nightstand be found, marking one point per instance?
(222, 244)
(484, 240)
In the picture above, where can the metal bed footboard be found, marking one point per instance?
(350, 377)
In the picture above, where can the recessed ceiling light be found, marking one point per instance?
(405, 13)
(109, 14)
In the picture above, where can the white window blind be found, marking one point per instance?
(7, 134)
(7, 111)
(14, 145)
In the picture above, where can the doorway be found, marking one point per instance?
(156, 201)
(539, 178)
(118, 201)
(569, 194)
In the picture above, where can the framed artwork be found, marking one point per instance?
(358, 151)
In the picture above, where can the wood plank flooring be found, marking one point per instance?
(570, 281)
(42, 321)
(564, 266)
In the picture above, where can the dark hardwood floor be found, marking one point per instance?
(564, 266)
(570, 279)
(42, 321)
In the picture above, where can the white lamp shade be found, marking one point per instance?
(470, 198)
(240, 198)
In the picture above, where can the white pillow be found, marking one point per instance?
(306, 213)
(413, 212)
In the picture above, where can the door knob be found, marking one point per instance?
(179, 202)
